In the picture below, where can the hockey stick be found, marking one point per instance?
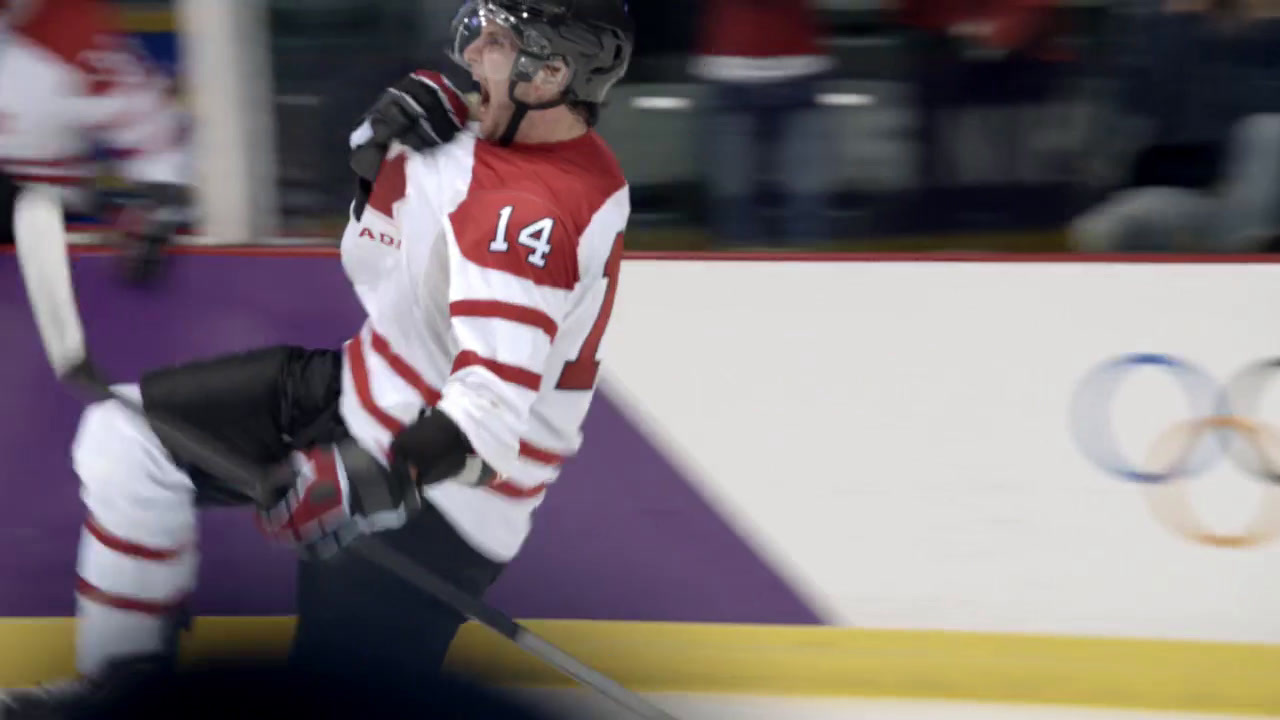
(43, 257)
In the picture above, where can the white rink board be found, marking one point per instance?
(894, 437)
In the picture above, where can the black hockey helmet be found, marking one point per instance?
(593, 38)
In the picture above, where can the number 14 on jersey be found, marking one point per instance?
(581, 372)
(536, 237)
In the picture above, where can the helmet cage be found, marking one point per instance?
(533, 39)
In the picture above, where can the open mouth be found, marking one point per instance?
(484, 98)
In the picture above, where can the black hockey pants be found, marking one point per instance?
(353, 616)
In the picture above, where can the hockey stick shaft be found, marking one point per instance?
(495, 620)
(40, 237)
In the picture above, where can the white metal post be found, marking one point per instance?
(226, 64)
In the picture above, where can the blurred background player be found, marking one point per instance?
(81, 109)
(975, 56)
(487, 263)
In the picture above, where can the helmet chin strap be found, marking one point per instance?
(522, 109)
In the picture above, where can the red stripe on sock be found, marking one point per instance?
(93, 593)
(120, 545)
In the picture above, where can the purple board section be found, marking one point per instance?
(621, 536)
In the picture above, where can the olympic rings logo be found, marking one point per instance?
(1223, 425)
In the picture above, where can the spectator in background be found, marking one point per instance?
(762, 60)
(976, 52)
(1197, 101)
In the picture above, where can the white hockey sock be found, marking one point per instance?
(128, 596)
(138, 558)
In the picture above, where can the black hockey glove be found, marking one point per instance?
(435, 449)
(336, 493)
(423, 110)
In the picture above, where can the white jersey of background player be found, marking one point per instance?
(69, 81)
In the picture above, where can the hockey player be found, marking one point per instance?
(487, 264)
(71, 86)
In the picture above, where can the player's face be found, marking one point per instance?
(490, 59)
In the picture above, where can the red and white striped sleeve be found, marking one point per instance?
(513, 265)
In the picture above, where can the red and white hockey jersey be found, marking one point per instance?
(70, 80)
(488, 275)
